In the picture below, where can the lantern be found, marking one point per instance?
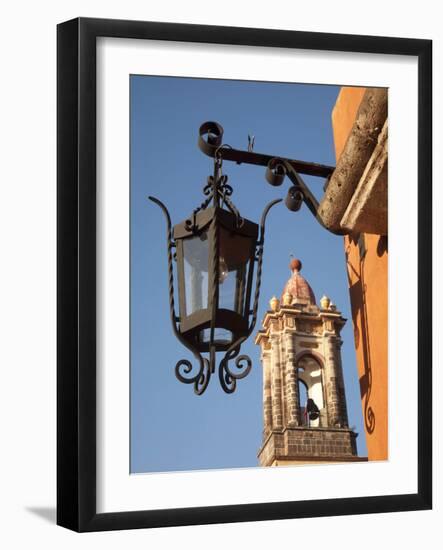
(215, 252)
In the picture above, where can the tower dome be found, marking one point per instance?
(297, 286)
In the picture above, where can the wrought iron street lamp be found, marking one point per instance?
(215, 251)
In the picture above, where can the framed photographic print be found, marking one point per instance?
(244, 280)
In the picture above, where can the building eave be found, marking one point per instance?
(355, 199)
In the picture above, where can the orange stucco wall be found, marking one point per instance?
(367, 266)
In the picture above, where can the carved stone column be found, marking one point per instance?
(340, 384)
(277, 410)
(292, 393)
(333, 393)
(267, 396)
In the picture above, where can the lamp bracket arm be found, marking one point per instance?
(211, 137)
(308, 198)
(296, 179)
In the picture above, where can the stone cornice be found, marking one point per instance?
(331, 321)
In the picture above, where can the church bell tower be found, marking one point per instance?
(304, 405)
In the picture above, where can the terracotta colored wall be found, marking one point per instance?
(343, 115)
(367, 267)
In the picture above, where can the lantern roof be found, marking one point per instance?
(201, 219)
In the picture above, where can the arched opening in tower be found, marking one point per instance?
(310, 389)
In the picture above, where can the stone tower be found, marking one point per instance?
(300, 353)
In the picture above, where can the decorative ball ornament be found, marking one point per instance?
(325, 302)
(287, 299)
(295, 265)
(274, 303)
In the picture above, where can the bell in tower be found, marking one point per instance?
(305, 417)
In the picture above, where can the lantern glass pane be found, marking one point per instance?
(222, 336)
(195, 255)
(235, 255)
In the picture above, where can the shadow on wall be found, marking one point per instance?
(357, 292)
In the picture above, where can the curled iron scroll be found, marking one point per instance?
(228, 378)
(210, 137)
(200, 380)
(275, 172)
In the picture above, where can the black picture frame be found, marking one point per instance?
(76, 280)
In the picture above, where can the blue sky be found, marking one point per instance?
(172, 429)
